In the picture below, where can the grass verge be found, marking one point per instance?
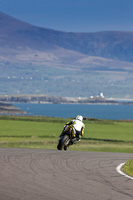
(43, 133)
(128, 168)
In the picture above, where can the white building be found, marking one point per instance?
(101, 95)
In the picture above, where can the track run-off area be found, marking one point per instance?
(32, 174)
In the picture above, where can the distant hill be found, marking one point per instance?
(40, 60)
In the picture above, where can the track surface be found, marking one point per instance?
(27, 174)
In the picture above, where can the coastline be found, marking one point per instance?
(44, 99)
(10, 109)
(6, 102)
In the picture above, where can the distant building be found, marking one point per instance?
(101, 95)
(98, 96)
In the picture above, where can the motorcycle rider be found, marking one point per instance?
(78, 126)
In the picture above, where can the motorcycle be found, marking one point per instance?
(67, 138)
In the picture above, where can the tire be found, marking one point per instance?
(62, 142)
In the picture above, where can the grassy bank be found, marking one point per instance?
(42, 132)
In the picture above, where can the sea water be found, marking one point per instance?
(72, 110)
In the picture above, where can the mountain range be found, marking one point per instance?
(36, 60)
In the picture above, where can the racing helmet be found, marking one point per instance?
(79, 117)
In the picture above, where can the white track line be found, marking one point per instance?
(118, 169)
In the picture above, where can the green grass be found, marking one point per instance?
(128, 167)
(42, 132)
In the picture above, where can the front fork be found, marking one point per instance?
(72, 135)
(71, 131)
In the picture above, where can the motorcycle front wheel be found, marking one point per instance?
(62, 142)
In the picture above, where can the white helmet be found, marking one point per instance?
(79, 117)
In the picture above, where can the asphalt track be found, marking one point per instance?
(27, 174)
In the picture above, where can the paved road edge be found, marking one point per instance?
(118, 169)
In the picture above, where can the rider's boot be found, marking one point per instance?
(65, 148)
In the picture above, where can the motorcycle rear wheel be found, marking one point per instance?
(62, 142)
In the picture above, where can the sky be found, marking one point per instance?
(73, 15)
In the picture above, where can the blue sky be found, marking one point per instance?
(73, 15)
